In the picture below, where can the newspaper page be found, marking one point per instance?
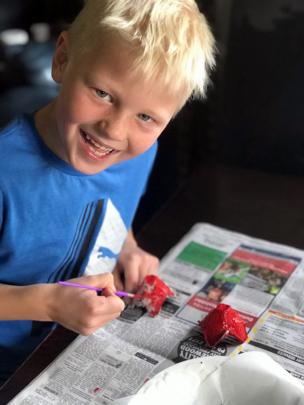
(263, 281)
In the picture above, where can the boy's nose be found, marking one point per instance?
(116, 126)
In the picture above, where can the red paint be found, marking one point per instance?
(223, 322)
(153, 294)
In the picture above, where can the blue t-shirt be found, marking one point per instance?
(57, 223)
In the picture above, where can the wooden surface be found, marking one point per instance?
(261, 205)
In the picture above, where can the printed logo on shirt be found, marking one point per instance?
(108, 243)
(106, 252)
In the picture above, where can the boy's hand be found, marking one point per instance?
(81, 310)
(133, 265)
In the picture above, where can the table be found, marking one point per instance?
(262, 205)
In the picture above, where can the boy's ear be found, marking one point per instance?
(60, 57)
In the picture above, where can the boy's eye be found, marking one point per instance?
(144, 117)
(103, 94)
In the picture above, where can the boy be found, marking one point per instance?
(71, 175)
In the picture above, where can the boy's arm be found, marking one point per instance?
(24, 302)
(133, 265)
(80, 310)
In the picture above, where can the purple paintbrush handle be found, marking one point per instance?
(77, 285)
(122, 294)
(89, 287)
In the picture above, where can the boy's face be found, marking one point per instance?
(104, 114)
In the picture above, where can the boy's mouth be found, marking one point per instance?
(96, 149)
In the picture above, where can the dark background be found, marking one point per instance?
(252, 117)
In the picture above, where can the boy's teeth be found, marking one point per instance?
(102, 149)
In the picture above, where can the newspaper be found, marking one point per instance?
(263, 281)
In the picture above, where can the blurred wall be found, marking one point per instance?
(260, 103)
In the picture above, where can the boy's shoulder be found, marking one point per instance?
(17, 126)
(16, 137)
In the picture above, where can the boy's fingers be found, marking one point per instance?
(118, 282)
(132, 275)
(112, 304)
(105, 280)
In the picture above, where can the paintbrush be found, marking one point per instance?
(120, 294)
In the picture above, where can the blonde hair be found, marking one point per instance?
(171, 39)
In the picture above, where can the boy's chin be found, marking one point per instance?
(91, 166)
